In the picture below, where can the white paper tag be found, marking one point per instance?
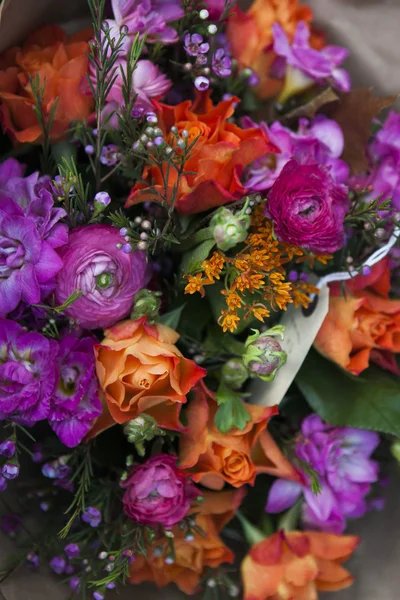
(302, 326)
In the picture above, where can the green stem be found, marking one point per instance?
(252, 533)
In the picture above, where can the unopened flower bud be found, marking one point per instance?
(229, 229)
(264, 355)
(141, 430)
(147, 303)
(234, 373)
(204, 14)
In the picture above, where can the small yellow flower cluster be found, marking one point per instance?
(257, 271)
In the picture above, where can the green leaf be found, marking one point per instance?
(369, 401)
(231, 413)
(217, 301)
(172, 318)
(191, 261)
(64, 150)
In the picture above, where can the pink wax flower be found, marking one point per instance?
(158, 493)
(108, 278)
(308, 208)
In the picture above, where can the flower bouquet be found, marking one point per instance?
(198, 313)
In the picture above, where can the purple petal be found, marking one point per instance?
(330, 134)
(302, 35)
(282, 495)
(29, 285)
(281, 42)
(362, 440)
(342, 80)
(71, 431)
(336, 54)
(323, 504)
(10, 293)
(312, 424)
(49, 263)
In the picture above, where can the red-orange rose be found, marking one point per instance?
(141, 370)
(364, 325)
(192, 557)
(213, 458)
(216, 161)
(297, 565)
(61, 65)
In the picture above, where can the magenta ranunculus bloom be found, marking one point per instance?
(95, 264)
(341, 458)
(75, 402)
(29, 232)
(316, 65)
(158, 493)
(28, 373)
(318, 141)
(308, 208)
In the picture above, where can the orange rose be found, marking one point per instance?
(61, 65)
(364, 325)
(216, 161)
(297, 566)
(191, 557)
(140, 370)
(250, 36)
(213, 458)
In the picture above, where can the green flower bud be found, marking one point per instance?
(140, 430)
(147, 304)
(264, 355)
(395, 449)
(234, 373)
(229, 229)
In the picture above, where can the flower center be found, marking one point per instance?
(144, 383)
(104, 280)
(68, 378)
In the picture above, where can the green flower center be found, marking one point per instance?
(104, 280)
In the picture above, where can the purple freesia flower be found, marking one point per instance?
(384, 154)
(95, 264)
(29, 232)
(341, 458)
(7, 448)
(92, 516)
(221, 64)
(75, 402)
(28, 373)
(195, 45)
(148, 17)
(58, 564)
(306, 65)
(319, 141)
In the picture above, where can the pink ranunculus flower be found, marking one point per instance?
(158, 493)
(307, 208)
(147, 82)
(96, 265)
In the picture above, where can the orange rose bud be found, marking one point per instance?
(141, 370)
(297, 566)
(213, 458)
(364, 325)
(216, 160)
(194, 553)
(61, 64)
(250, 37)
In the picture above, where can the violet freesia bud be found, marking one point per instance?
(75, 584)
(202, 83)
(72, 551)
(307, 208)
(58, 564)
(102, 198)
(107, 277)
(92, 516)
(157, 492)
(7, 448)
(264, 355)
(3, 483)
(10, 471)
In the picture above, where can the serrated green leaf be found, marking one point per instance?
(191, 261)
(230, 414)
(369, 401)
(172, 318)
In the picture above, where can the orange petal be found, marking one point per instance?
(332, 547)
(268, 458)
(259, 581)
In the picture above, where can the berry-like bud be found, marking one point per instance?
(264, 355)
(229, 229)
(147, 303)
(141, 430)
(234, 373)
